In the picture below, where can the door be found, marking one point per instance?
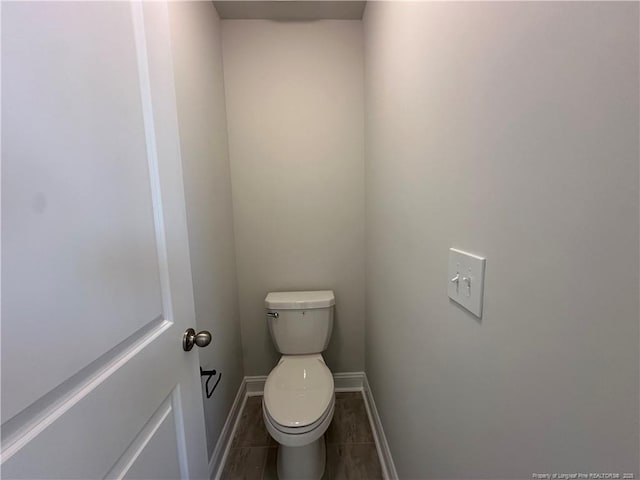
(96, 282)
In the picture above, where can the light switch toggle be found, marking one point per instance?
(456, 280)
(467, 282)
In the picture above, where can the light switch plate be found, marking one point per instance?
(466, 280)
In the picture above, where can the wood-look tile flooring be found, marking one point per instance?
(351, 451)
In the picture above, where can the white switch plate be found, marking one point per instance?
(466, 280)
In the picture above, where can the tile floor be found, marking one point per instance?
(351, 452)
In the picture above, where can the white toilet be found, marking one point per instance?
(298, 400)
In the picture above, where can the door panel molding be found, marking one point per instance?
(137, 17)
(25, 426)
(133, 451)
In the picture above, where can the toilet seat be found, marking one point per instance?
(299, 439)
(298, 393)
(299, 430)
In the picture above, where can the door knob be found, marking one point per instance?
(191, 338)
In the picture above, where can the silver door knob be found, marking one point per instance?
(191, 338)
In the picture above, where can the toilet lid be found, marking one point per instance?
(298, 390)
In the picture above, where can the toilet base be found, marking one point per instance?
(302, 463)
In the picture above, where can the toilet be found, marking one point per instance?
(299, 398)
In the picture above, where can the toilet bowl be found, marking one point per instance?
(297, 409)
(299, 399)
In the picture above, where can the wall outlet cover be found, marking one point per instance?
(466, 280)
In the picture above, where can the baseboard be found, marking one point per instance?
(344, 382)
(348, 381)
(220, 453)
(384, 453)
(255, 385)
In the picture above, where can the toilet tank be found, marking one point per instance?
(300, 323)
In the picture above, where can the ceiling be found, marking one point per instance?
(290, 9)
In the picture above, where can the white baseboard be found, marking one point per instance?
(344, 382)
(255, 385)
(220, 453)
(384, 453)
(348, 381)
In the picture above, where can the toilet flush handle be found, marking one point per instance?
(273, 314)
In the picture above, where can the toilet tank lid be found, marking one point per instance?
(300, 300)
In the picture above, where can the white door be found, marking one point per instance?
(96, 282)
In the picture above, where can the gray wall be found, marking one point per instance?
(295, 115)
(510, 130)
(197, 55)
